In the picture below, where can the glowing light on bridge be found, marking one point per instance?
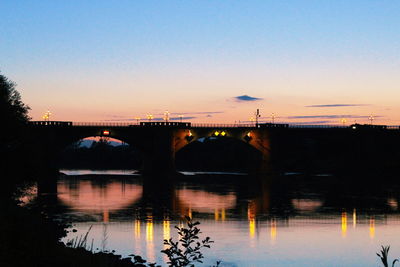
(216, 133)
(46, 115)
(166, 116)
(106, 132)
(354, 218)
(371, 119)
(149, 117)
(223, 133)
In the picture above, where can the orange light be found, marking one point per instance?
(249, 134)
(106, 132)
(190, 133)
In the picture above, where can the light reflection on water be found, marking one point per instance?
(260, 225)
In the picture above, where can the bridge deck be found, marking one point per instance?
(204, 125)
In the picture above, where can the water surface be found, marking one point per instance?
(287, 220)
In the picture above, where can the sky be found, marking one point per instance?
(306, 62)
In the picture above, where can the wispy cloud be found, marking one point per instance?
(329, 117)
(246, 98)
(197, 113)
(336, 105)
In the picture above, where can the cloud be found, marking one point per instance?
(246, 98)
(198, 112)
(336, 105)
(182, 118)
(330, 116)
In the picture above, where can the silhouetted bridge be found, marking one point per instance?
(279, 144)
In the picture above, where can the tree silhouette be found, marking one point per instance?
(13, 134)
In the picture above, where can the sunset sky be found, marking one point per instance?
(305, 61)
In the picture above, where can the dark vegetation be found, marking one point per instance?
(100, 154)
(384, 256)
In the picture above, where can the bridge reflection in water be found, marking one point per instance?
(253, 222)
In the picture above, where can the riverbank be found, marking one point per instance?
(29, 238)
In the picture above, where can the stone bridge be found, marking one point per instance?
(358, 145)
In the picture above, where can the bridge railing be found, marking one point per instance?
(51, 123)
(109, 124)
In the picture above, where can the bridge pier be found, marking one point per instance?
(159, 153)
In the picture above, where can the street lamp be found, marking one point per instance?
(273, 118)
(343, 121)
(180, 118)
(371, 119)
(257, 116)
(47, 115)
(137, 119)
(149, 117)
(166, 116)
(252, 120)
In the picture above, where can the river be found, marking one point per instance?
(289, 219)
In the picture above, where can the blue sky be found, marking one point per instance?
(94, 60)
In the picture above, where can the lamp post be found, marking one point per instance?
(371, 119)
(252, 120)
(137, 119)
(149, 117)
(47, 115)
(273, 118)
(343, 121)
(166, 116)
(180, 118)
(257, 116)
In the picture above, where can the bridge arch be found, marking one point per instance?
(251, 142)
(99, 152)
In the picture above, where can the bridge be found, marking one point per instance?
(160, 141)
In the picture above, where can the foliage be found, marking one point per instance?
(384, 253)
(187, 250)
(12, 109)
(81, 241)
